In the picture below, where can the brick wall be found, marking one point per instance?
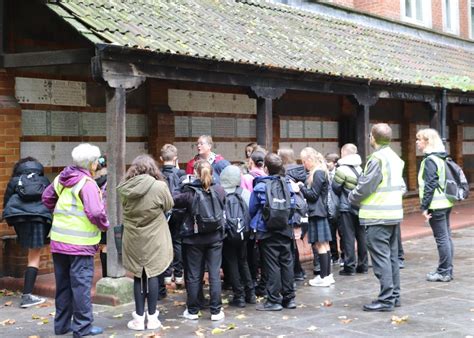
(387, 8)
(464, 19)
(346, 3)
(437, 15)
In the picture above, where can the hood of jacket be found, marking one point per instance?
(352, 159)
(71, 175)
(28, 168)
(297, 172)
(441, 154)
(135, 187)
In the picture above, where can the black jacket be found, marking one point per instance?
(317, 195)
(184, 200)
(430, 176)
(17, 211)
(296, 172)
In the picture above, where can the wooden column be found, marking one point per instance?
(365, 100)
(116, 108)
(265, 97)
(434, 115)
(408, 134)
(456, 135)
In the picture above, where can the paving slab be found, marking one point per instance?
(432, 309)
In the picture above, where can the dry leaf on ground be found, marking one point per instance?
(120, 315)
(399, 320)
(346, 321)
(9, 303)
(327, 303)
(200, 332)
(312, 328)
(241, 316)
(8, 322)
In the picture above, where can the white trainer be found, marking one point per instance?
(153, 322)
(137, 323)
(318, 281)
(218, 316)
(168, 280)
(331, 279)
(179, 280)
(188, 315)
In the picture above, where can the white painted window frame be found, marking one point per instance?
(454, 4)
(426, 13)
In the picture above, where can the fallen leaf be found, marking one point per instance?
(34, 337)
(9, 293)
(346, 305)
(138, 335)
(301, 306)
(342, 317)
(312, 328)
(225, 301)
(120, 315)
(200, 332)
(35, 317)
(52, 314)
(177, 303)
(45, 320)
(346, 321)
(399, 320)
(231, 326)
(8, 322)
(327, 303)
(9, 303)
(45, 304)
(285, 317)
(217, 331)
(241, 316)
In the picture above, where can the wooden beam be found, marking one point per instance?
(48, 58)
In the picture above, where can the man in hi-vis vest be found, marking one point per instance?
(379, 196)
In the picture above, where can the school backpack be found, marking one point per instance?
(333, 204)
(277, 209)
(173, 181)
(237, 217)
(30, 187)
(456, 187)
(207, 211)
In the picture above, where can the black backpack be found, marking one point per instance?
(173, 181)
(207, 211)
(456, 187)
(237, 217)
(277, 209)
(30, 187)
(333, 204)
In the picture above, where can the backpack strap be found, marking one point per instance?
(356, 173)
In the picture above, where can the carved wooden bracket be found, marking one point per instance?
(268, 92)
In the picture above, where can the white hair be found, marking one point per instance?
(84, 155)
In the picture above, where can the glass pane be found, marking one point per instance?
(448, 13)
(408, 11)
(472, 20)
(419, 10)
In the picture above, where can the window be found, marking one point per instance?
(451, 16)
(416, 11)
(471, 18)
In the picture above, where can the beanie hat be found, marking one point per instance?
(230, 178)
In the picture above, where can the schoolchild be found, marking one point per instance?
(174, 175)
(315, 190)
(202, 248)
(235, 245)
(347, 176)
(30, 218)
(274, 241)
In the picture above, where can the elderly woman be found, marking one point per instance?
(78, 218)
(434, 204)
(147, 245)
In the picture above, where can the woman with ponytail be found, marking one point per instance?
(201, 248)
(315, 190)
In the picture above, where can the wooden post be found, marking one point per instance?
(408, 133)
(434, 115)
(362, 127)
(456, 135)
(265, 97)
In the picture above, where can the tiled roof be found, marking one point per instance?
(273, 36)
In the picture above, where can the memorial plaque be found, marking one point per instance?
(42, 151)
(64, 123)
(246, 128)
(468, 133)
(397, 147)
(181, 126)
(228, 150)
(133, 149)
(29, 90)
(68, 93)
(468, 148)
(136, 125)
(186, 151)
(312, 129)
(34, 122)
(94, 124)
(295, 129)
(201, 126)
(283, 128)
(224, 127)
(330, 129)
(395, 131)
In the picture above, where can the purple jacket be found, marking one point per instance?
(93, 208)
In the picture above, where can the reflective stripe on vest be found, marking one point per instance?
(386, 202)
(70, 222)
(439, 200)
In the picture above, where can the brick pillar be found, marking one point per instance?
(160, 116)
(456, 136)
(408, 131)
(10, 133)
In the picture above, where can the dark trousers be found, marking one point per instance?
(277, 263)
(334, 226)
(235, 257)
(176, 266)
(73, 275)
(440, 226)
(195, 257)
(252, 258)
(297, 268)
(401, 252)
(352, 231)
(382, 241)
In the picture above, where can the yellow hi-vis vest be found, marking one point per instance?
(439, 200)
(70, 222)
(386, 202)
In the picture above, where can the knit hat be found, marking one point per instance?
(230, 178)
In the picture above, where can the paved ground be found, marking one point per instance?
(431, 309)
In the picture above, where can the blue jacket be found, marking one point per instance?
(257, 202)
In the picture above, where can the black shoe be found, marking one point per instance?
(316, 272)
(300, 277)
(250, 298)
(260, 292)
(398, 303)
(290, 304)
(361, 270)
(377, 306)
(57, 333)
(268, 306)
(237, 302)
(226, 286)
(346, 273)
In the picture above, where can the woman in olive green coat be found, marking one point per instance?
(147, 246)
